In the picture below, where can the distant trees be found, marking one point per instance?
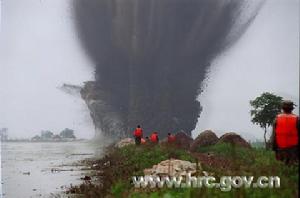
(264, 110)
(36, 138)
(49, 136)
(67, 133)
(46, 135)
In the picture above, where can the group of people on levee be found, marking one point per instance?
(139, 139)
(285, 137)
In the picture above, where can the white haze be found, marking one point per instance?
(39, 51)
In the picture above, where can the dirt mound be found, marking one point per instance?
(235, 139)
(183, 140)
(205, 138)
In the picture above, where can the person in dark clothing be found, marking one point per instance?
(147, 139)
(285, 136)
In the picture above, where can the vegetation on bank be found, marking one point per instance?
(120, 164)
(264, 110)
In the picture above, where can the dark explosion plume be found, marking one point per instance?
(151, 57)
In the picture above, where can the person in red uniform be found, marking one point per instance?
(138, 134)
(171, 138)
(285, 137)
(154, 137)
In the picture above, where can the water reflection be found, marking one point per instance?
(43, 169)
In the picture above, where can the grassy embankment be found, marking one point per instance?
(120, 165)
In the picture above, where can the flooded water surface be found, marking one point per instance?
(43, 169)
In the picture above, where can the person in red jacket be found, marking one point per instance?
(154, 137)
(285, 137)
(171, 138)
(138, 134)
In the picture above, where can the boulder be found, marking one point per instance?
(125, 142)
(172, 167)
(183, 140)
(235, 139)
(205, 138)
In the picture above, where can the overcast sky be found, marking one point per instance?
(266, 58)
(39, 51)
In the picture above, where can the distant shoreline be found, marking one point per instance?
(38, 141)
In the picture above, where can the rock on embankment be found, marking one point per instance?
(172, 167)
(124, 142)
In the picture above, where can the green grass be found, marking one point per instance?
(118, 188)
(256, 162)
(132, 160)
(258, 144)
(146, 156)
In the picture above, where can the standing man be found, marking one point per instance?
(138, 134)
(171, 138)
(285, 137)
